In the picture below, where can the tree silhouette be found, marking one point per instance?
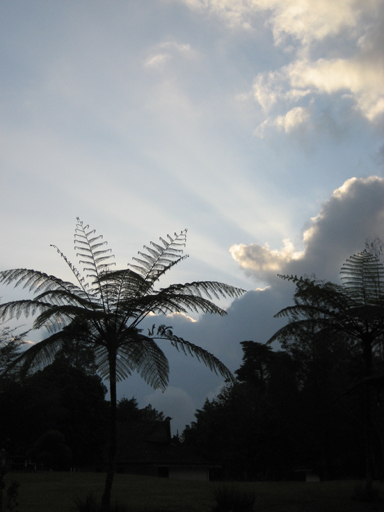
(105, 308)
(355, 310)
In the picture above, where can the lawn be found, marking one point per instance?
(54, 492)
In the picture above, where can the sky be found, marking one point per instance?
(256, 124)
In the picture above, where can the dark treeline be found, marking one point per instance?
(57, 418)
(316, 404)
(286, 412)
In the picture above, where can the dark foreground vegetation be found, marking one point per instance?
(318, 402)
(313, 407)
(57, 491)
(103, 310)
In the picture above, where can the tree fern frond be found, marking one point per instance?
(57, 316)
(160, 258)
(89, 248)
(140, 353)
(33, 280)
(41, 354)
(188, 348)
(363, 276)
(17, 308)
(209, 288)
(182, 298)
(105, 307)
(80, 279)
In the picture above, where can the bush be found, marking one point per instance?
(90, 504)
(231, 499)
(8, 496)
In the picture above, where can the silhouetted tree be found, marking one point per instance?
(10, 345)
(59, 397)
(353, 311)
(51, 451)
(251, 427)
(105, 308)
(128, 410)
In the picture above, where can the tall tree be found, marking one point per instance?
(354, 311)
(59, 397)
(10, 345)
(105, 307)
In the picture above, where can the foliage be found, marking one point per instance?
(128, 410)
(288, 410)
(232, 499)
(252, 428)
(351, 314)
(10, 344)
(62, 398)
(91, 504)
(51, 452)
(8, 494)
(104, 307)
(79, 355)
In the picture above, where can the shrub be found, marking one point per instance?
(8, 496)
(232, 499)
(90, 504)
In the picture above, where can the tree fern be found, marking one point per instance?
(104, 308)
(353, 310)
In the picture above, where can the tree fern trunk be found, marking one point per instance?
(106, 499)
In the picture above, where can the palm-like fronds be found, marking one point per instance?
(188, 348)
(363, 277)
(158, 259)
(353, 311)
(104, 308)
(356, 307)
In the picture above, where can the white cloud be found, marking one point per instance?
(361, 79)
(292, 119)
(357, 79)
(263, 260)
(354, 212)
(311, 27)
(305, 20)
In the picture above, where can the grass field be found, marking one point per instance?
(54, 492)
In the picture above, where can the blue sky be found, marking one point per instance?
(256, 124)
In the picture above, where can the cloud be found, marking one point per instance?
(307, 21)
(291, 122)
(162, 53)
(357, 80)
(263, 260)
(354, 212)
(304, 20)
(347, 38)
(361, 79)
